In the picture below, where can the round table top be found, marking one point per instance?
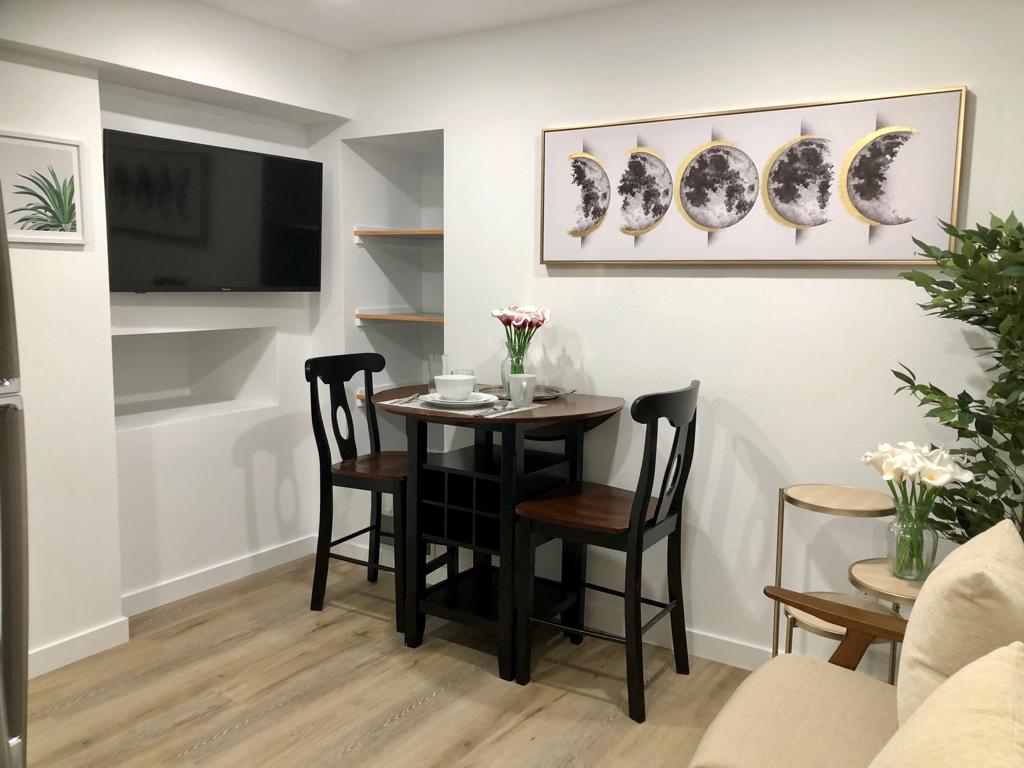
(563, 409)
(842, 500)
(823, 628)
(874, 577)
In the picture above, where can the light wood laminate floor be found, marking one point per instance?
(245, 675)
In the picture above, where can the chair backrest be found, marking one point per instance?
(679, 409)
(335, 371)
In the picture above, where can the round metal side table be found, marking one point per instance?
(873, 577)
(841, 501)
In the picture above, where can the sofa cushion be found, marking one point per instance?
(799, 711)
(971, 604)
(974, 718)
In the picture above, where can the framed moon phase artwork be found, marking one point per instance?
(847, 182)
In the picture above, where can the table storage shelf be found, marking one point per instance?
(473, 597)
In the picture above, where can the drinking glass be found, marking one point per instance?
(463, 372)
(437, 365)
(521, 387)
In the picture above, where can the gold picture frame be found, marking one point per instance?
(677, 208)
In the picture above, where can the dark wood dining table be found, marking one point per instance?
(466, 499)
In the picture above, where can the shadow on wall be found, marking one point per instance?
(714, 516)
(273, 450)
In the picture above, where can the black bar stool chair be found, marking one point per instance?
(379, 472)
(588, 513)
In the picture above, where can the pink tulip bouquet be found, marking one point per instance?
(521, 323)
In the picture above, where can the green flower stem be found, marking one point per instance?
(912, 517)
(518, 342)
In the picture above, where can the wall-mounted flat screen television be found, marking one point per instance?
(193, 217)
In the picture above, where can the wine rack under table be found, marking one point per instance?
(460, 506)
(461, 494)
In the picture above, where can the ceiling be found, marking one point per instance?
(358, 25)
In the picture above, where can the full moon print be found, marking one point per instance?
(717, 186)
(877, 175)
(646, 192)
(800, 182)
(595, 193)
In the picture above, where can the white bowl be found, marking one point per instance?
(455, 386)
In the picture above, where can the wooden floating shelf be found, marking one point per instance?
(435, 318)
(412, 234)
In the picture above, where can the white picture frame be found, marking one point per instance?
(41, 180)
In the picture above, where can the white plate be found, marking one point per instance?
(475, 400)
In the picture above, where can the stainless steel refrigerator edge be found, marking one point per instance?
(13, 530)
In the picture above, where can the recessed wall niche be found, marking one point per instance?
(176, 375)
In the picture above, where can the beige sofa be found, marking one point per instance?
(959, 700)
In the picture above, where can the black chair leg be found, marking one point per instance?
(634, 638)
(525, 561)
(323, 546)
(453, 562)
(373, 560)
(398, 507)
(675, 593)
(574, 576)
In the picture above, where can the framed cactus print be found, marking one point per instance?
(42, 189)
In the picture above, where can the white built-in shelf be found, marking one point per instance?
(405, 234)
(400, 316)
(171, 412)
(166, 377)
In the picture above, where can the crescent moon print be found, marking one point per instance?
(717, 186)
(799, 182)
(873, 176)
(646, 190)
(595, 193)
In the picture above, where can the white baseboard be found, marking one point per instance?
(189, 584)
(704, 644)
(78, 646)
(726, 650)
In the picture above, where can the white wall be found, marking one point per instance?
(189, 46)
(63, 313)
(794, 363)
(208, 499)
(253, 508)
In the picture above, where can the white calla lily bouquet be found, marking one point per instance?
(914, 474)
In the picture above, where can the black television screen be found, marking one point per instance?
(192, 217)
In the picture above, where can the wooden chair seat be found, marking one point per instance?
(386, 465)
(586, 506)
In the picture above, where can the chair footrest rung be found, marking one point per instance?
(581, 630)
(438, 562)
(361, 532)
(658, 616)
(619, 593)
(352, 535)
(357, 561)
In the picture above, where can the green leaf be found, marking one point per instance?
(903, 377)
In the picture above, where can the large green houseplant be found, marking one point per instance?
(981, 282)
